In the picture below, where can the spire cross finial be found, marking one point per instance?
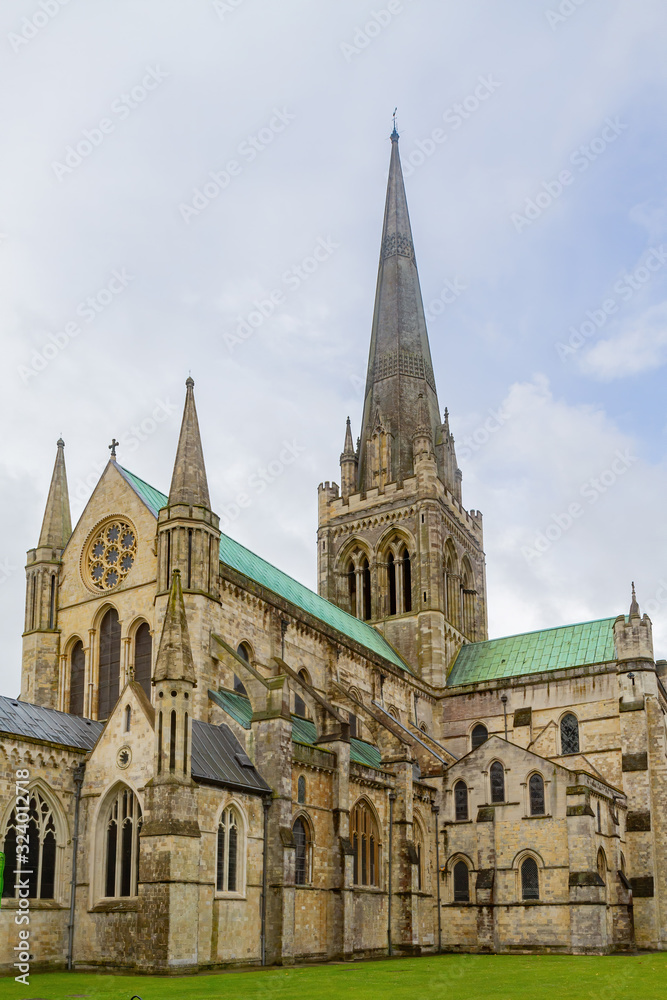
(112, 447)
(394, 134)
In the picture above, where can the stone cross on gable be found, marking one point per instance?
(112, 447)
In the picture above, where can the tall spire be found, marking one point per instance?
(57, 523)
(634, 606)
(174, 659)
(399, 364)
(188, 482)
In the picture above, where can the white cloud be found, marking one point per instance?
(639, 346)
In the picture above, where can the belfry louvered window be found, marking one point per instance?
(35, 827)
(228, 860)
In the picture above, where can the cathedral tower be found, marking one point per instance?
(396, 547)
(189, 541)
(41, 636)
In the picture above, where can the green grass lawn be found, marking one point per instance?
(447, 977)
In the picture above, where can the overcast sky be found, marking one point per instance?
(168, 167)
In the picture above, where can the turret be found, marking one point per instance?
(174, 681)
(348, 465)
(189, 541)
(41, 636)
(633, 637)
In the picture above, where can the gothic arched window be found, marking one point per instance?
(301, 789)
(143, 653)
(77, 672)
(461, 882)
(352, 587)
(407, 579)
(244, 652)
(602, 865)
(461, 800)
(391, 574)
(536, 793)
(109, 664)
(38, 825)
(121, 844)
(366, 846)
(302, 859)
(479, 735)
(228, 853)
(419, 848)
(569, 734)
(366, 590)
(497, 775)
(530, 880)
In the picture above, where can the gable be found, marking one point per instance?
(113, 497)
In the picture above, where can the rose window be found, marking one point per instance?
(111, 554)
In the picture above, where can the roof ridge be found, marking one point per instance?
(538, 631)
(379, 644)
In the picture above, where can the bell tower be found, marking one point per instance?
(399, 514)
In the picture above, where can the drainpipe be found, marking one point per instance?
(504, 701)
(435, 810)
(79, 772)
(392, 799)
(266, 804)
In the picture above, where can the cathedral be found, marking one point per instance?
(210, 765)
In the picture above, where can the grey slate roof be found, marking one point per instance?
(216, 754)
(20, 718)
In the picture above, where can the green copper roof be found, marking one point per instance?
(153, 499)
(244, 561)
(303, 730)
(236, 705)
(533, 652)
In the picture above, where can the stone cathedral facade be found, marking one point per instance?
(219, 767)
